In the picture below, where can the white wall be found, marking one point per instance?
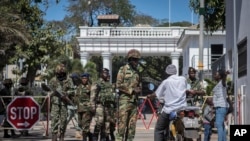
(191, 50)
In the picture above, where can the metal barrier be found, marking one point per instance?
(45, 103)
(154, 113)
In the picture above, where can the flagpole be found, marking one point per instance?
(169, 14)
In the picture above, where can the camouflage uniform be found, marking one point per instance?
(127, 80)
(102, 99)
(84, 110)
(195, 84)
(58, 105)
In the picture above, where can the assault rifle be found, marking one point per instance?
(64, 97)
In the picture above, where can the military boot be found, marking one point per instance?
(84, 136)
(90, 135)
(54, 137)
(107, 138)
(103, 137)
(112, 136)
(95, 137)
(61, 137)
(6, 135)
(13, 134)
(78, 135)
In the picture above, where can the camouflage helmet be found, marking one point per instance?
(134, 53)
(60, 68)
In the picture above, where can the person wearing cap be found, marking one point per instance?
(128, 84)
(195, 88)
(82, 99)
(173, 91)
(101, 97)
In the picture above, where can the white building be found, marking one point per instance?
(214, 47)
(238, 54)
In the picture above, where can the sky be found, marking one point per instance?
(174, 10)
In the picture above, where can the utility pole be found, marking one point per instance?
(201, 39)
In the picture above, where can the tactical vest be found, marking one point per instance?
(197, 100)
(63, 87)
(82, 98)
(105, 94)
(84, 94)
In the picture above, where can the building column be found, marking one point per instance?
(84, 58)
(107, 62)
(175, 60)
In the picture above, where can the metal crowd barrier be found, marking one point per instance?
(45, 103)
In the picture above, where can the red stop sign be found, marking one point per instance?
(23, 112)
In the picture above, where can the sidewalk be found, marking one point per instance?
(142, 133)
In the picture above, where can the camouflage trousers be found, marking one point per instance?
(108, 120)
(59, 115)
(98, 119)
(126, 121)
(84, 119)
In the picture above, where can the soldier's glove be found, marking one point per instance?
(137, 90)
(92, 109)
(50, 93)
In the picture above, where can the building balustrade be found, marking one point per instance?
(131, 31)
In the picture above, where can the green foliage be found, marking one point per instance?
(90, 68)
(214, 17)
(210, 85)
(181, 24)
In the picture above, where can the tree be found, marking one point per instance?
(145, 20)
(182, 24)
(214, 13)
(37, 42)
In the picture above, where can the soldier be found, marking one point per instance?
(195, 88)
(128, 84)
(83, 103)
(72, 109)
(6, 91)
(24, 90)
(113, 110)
(101, 98)
(109, 114)
(61, 84)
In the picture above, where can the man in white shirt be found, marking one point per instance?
(173, 91)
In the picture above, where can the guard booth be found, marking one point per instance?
(108, 20)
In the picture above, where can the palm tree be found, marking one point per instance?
(12, 27)
(12, 31)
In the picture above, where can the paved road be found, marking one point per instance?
(142, 134)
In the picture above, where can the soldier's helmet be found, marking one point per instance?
(60, 68)
(23, 81)
(134, 53)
